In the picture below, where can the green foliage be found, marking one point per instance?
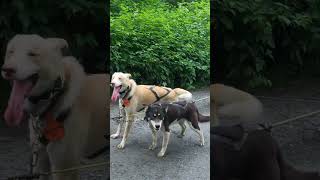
(159, 43)
(260, 38)
(80, 22)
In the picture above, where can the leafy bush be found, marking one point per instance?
(159, 43)
(80, 22)
(261, 39)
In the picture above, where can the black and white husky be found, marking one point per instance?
(162, 115)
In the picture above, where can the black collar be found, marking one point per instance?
(125, 93)
(52, 95)
(57, 89)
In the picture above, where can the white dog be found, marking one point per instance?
(67, 109)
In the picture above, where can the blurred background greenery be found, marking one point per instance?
(264, 43)
(162, 42)
(81, 22)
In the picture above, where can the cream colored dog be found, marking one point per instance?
(67, 108)
(134, 98)
(231, 102)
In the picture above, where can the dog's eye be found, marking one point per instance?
(10, 52)
(155, 115)
(32, 54)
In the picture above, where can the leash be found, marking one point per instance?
(277, 124)
(38, 175)
(201, 99)
(294, 119)
(289, 99)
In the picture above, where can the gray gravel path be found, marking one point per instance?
(299, 140)
(185, 159)
(15, 154)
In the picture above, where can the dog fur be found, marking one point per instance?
(85, 96)
(231, 102)
(140, 97)
(162, 115)
(254, 161)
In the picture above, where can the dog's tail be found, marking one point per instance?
(203, 118)
(248, 110)
(288, 172)
(183, 95)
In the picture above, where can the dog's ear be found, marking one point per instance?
(128, 75)
(60, 45)
(166, 110)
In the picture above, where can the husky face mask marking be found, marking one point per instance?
(155, 115)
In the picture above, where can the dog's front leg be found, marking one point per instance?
(117, 134)
(129, 121)
(123, 118)
(63, 156)
(165, 141)
(154, 137)
(41, 163)
(40, 158)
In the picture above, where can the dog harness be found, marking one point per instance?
(48, 127)
(126, 92)
(125, 100)
(156, 95)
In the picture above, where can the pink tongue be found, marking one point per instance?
(115, 93)
(14, 112)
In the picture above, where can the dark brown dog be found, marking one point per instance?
(250, 156)
(161, 115)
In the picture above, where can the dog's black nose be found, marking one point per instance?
(157, 126)
(8, 71)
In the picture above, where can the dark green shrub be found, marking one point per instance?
(261, 39)
(80, 22)
(161, 44)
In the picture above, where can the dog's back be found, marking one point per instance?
(232, 102)
(175, 110)
(183, 109)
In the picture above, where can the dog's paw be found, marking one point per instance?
(161, 154)
(115, 136)
(120, 146)
(152, 146)
(201, 144)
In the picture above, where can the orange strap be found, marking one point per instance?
(54, 130)
(126, 102)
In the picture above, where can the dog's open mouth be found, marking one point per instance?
(21, 89)
(116, 93)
